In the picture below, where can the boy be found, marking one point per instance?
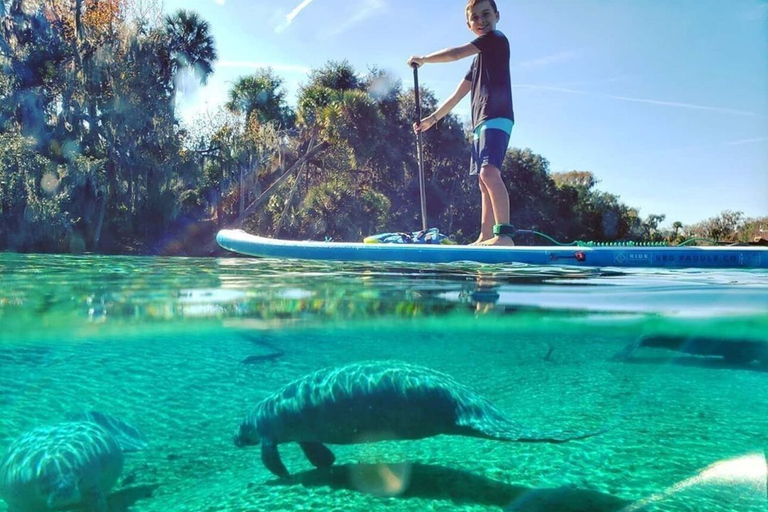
(492, 114)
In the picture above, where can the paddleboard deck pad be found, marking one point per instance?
(240, 242)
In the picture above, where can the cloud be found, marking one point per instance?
(220, 2)
(289, 68)
(555, 58)
(297, 10)
(742, 142)
(593, 83)
(365, 10)
(648, 101)
(368, 9)
(292, 15)
(719, 144)
(684, 105)
(702, 147)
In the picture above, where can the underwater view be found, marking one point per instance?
(232, 384)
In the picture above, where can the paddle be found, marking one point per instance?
(419, 149)
(426, 235)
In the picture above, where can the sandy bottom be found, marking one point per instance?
(683, 434)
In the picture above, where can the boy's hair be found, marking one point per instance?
(472, 3)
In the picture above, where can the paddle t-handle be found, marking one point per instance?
(419, 148)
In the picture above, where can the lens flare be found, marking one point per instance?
(749, 471)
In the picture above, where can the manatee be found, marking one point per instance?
(127, 436)
(737, 351)
(72, 464)
(373, 401)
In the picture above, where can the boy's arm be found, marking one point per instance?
(447, 55)
(425, 124)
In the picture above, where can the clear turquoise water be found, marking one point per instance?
(183, 348)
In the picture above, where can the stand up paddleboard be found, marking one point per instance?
(615, 256)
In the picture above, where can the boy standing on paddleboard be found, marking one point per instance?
(492, 115)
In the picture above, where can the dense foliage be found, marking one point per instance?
(94, 158)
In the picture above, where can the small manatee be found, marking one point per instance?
(70, 464)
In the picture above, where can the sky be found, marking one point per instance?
(665, 102)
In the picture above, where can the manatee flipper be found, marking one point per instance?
(97, 501)
(271, 459)
(64, 492)
(318, 454)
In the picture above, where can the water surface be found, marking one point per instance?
(182, 349)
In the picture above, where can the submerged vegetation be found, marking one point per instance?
(94, 158)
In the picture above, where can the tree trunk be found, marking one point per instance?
(131, 198)
(242, 191)
(17, 8)
(238, 222)
(100, 222)
(219, 211)
(288, 202)
(79, 20)
(271, 190)
(103, 208)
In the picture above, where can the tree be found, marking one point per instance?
(336, 75)
(261, 94)
(651, 227)
(723, 227)
(32, 55)
(33, 208)
(144, 15)
(527, 178)
(190, 44)
(754, 230)
(584, 180)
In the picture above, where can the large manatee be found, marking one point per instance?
(368, 401)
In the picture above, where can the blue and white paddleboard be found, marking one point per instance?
(621, 256)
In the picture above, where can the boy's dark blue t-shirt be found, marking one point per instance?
(489, 74)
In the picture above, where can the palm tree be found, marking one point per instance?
(190, 43)
(260, 94)
(339, 76)
(677, 226)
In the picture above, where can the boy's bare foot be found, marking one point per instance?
(502, 240)
(480, 240)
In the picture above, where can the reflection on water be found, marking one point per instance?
(137, 290)
(671, 361)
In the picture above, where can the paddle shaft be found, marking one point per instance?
(420, 150)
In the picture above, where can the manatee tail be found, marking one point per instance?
(490, 423)
(561, 439)
(127, 436)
